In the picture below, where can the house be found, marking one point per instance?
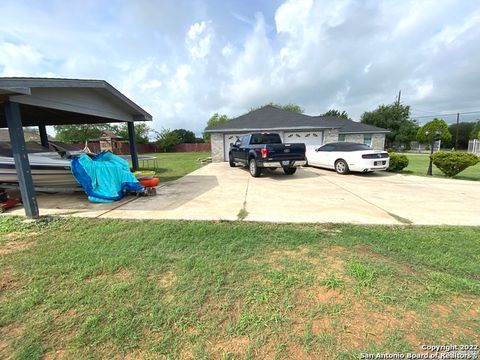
(29, 134)
(293, 127)
(110, 141)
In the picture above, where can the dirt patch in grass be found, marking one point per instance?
(333, 258)
(237, 345)
(465, 320)
(136, 355)
(361, 325)
(14, 246)
(123, 274)
(8, 280)
(302, 254)
(324, 295)
(57, 355)
(167, 279)
(8, 334)
(19, 235)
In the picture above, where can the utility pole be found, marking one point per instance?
(456, 132)
(398, 98)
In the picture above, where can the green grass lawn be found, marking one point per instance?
(418, 165)
(176, 165)
(89, 288)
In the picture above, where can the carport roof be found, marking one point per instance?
(48, 101)
(271, 117)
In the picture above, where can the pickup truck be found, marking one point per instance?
(265, 150)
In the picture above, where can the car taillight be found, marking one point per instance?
(264, 153)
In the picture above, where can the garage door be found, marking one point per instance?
(311, 139)
(227, 140)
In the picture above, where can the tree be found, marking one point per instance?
(215, 120)
(396, 118)
(142, 131)
(337, 113)
(167, 139)
(186, 136)
(475, 134)
(428, 132)
(292, 107)
(80, 133)
(288, 107)
(465, 130)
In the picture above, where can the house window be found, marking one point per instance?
(367, 139)
(341, 137)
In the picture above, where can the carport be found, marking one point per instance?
(42, 102)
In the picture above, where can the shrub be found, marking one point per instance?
(398, 162)
(453, 163)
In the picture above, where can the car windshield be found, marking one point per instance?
(266, 139)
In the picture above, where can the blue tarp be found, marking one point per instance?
(105, 177)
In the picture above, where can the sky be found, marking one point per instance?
(184, 60)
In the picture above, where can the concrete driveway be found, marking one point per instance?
(218, 192)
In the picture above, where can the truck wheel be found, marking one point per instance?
(230, 160)
(341, 167)
(289, 170)
(254, 170)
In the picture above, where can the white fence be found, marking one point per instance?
(474, 146)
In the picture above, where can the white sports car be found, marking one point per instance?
(345, 157)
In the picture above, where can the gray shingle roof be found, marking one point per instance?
(273, 118)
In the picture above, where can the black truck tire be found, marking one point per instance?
(230, 160)
(289, 170)
(253, 168)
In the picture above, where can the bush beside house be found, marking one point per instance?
(398, 162)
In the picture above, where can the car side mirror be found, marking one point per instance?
(317, 150)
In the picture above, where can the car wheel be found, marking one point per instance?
(230, 160)
(254, 170)
(341, 167)
(289, 170)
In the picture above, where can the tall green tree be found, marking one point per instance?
(465, 130)
(80, 133)
(337, 113)
(428, 132)
(287, 107)
(396, 118)
(142, 132)
(167, 139)
(215, 120)
(475, 134)
(186, 136)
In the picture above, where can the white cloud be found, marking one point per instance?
(17, 58)
(151, 85)
(198, 40)
(179, 82)
(227, 50)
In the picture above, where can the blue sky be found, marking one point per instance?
(184, 60)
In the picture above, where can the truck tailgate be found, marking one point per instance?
(285, 152)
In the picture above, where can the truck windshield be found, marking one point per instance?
(265, 139)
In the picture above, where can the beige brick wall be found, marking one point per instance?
(330, 136)
(356, 138)
(378, 141)
(217, 147)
